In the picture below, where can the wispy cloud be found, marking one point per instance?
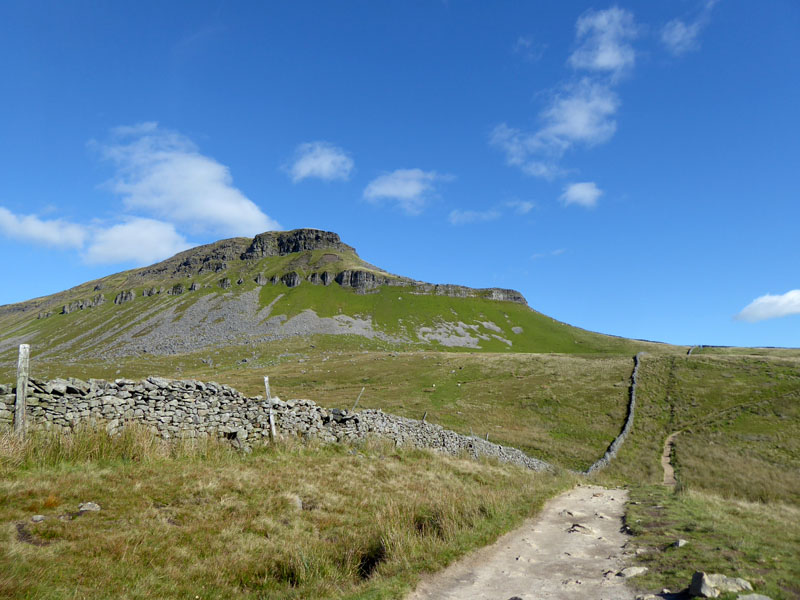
(140, 241)
(583, 194)
(580, 113)
(320, 160)
(521, 207)
(771, 307)
(52, 232)
(603, 38)
(527, 47)
(409, 189)
(680, 36)
(552, 253)
(464, 217)
(162, 173)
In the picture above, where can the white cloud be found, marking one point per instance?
(771, 307)
(521, 207)
(583, 114)
(464, 217)
(409, 188)
(541, 255)
(604, 37)
(141, 241)
(679, 37)
(583, 194)
(322, 161)
(161, 172)
(30, 228)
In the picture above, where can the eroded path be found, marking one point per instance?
(666, 460)
(572, 550)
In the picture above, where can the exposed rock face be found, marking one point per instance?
(323, 278)
(79, 305)
(224, 283)
(150, 292)
(123, 297)
(363, 281)
(280, 243)
(261, 280)
(291, 279)
(194, 287)
(176, 290)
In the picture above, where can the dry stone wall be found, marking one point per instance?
(613, 449)
(191, 409)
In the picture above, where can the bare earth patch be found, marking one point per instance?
(572, 550)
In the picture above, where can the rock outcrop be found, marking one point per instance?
(123, 297)
(281, 243)
(82, 304)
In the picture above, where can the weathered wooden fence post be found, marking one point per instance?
(271, 417)
(22, 390)
(357, 399)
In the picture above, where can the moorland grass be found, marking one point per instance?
(755, 540)
(204, 521)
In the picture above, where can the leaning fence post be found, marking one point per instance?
(22, 390)
(271, 417)
(357, 399)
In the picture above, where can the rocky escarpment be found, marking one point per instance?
(281, 243)
(191, 409)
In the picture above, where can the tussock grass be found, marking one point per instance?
(43, 448)
(287, 521)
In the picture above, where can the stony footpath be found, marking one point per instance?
(192, 409)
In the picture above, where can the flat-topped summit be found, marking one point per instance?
(281, 243)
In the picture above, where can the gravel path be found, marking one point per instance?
(572, 550)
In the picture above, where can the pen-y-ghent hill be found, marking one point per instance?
(277, 286)
(365, 520)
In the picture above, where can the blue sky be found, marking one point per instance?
(631, 168)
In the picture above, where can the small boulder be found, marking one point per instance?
(752, 597)
(711, 585)
(37, 518)
(679, 543)
(88, 507)
(632, 572)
